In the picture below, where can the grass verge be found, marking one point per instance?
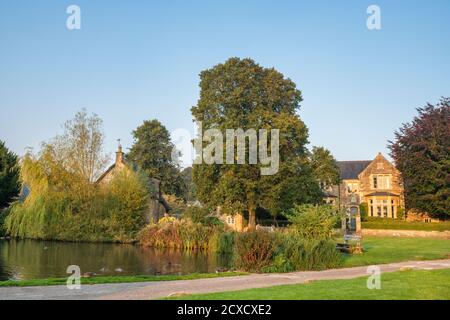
(401, 285)
(381, 250)
(116, 279)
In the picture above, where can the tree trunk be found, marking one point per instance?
(251, 219)
(154, 211)
(164, 203)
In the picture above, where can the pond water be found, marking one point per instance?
(33, 259)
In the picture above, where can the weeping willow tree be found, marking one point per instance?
(64, 204)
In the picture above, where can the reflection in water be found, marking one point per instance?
(32, 259)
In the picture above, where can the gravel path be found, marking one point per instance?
(155, 290)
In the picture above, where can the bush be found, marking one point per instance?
(225, 242)
(195, 214)
(201, 215)
(313, 221)
(295, 253)
(255, 251)
(311, 254)
(262, 251)
(213, 221)
(401, 213)
(364, 211)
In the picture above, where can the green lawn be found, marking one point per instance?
(378, 223)
(385, 250)
(115, 279)
(402, 285)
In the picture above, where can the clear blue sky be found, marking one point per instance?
(136, 60)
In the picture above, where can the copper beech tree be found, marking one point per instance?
(421, 151)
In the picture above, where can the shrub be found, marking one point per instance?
(283, 252)
(295, 253)
(311, 254)
(364, 211)
(213, 221)
(200, 215)
(401, 213)
(225, 242)
(313, 221)
(255, 251)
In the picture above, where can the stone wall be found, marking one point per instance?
(414, 215)
(406, 233)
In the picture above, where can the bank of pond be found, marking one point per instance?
(257, 251)
(169, 248)
(41, 259)
(197, 243)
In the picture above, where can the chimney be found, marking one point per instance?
(119, 154)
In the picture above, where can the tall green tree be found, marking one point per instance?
(324, 166)
(241, 94)
(421, 152)
(9, 176)
(295, 184)
(153, 150)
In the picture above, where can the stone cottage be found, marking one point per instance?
(157, 204)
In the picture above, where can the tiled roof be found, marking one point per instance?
(351, 169)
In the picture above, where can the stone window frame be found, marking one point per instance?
(383, 175)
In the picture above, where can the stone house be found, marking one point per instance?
(157, 203)
(235, 222)
(376, 182)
